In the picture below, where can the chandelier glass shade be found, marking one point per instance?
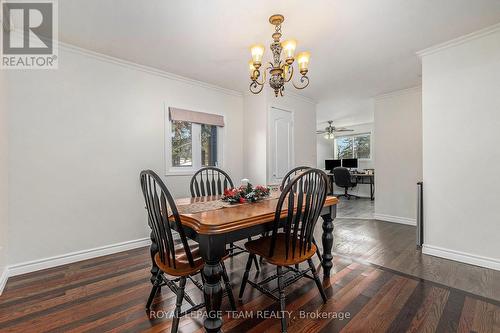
(280, 70)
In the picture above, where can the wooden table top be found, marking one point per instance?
(236, 217)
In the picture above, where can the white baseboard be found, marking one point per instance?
(395, 219)
(3, 278)
(467, 258)
(39, 264)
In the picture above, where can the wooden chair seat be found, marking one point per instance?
(182, 267)
(262, 245)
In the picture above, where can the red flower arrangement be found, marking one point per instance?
(246, 193)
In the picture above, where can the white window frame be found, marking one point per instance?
(196, 149)
(335, 150)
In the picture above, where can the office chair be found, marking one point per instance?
(342, 178)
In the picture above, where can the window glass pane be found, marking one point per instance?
(209, 145)
(182, 144)
(344, 147)
(362, 146)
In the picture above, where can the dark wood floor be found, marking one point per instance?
(369, 284)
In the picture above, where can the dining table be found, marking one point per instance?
(213, 224)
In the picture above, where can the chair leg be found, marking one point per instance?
(316, 279)
(154, 290)
(318, 252)
(347, 194)
(281, 298)
(245, 276)
(255, 259)
(178, 304)
(256, 263)
(264, 234)
(227, 285)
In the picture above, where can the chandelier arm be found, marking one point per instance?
(263, 77)
(255, 88)
(303, 79)
(290, 71)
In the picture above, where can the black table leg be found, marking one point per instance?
(153, 249)
(327, 239)
(371, 190)
(212, 250)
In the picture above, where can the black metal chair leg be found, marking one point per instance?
(318, 252)
(281, 298)
(245, 276)
(316, 279)
(228, 287)
(178, 304)
(154, 290)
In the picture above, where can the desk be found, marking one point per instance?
(213, 229)
(361, 178)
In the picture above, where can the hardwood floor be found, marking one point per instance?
(378, 279)
(362, 208)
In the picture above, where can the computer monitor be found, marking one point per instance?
(350, 162)
(332, 164)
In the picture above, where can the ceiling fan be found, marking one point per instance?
(330, 130)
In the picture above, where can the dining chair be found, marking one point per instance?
(289, 176)
(176, 257)
(290, 242)
(210, 181)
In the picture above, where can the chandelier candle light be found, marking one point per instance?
(280, 71)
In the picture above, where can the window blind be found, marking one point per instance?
(196, 117)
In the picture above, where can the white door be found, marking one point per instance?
(281, 144)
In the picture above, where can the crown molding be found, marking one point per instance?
(143, 68)
(398, 93)
(345, 124)
(460, 40)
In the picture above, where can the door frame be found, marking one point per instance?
(269, 140)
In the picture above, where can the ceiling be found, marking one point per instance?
(359, 48)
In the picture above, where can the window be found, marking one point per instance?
(353, 146)
(209, 145)
(191, 145)
(182, 144)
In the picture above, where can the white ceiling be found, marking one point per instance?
(360, 48)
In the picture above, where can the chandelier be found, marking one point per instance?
(280, 71)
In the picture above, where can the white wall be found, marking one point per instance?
(3, 179)
(325, 150)
(80, 135)
(461, 122)
(256, 139)
(398, 148)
